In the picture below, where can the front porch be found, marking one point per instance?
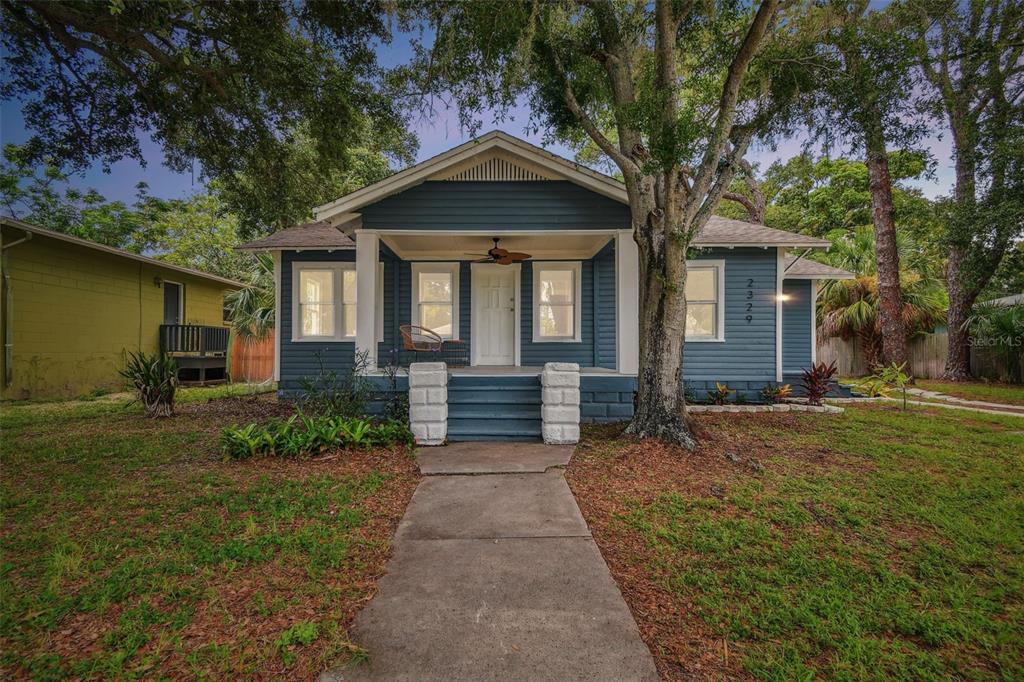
(572, 300)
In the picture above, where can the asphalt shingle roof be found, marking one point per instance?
(810, 268)
(319, 235)
(727, 231)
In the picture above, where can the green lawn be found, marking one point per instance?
(132, 549)
(867, 545)
(1007, 394)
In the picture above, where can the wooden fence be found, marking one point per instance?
(926, 357)
(252, 360)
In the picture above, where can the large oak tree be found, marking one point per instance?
(685, 87)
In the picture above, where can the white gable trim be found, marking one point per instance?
(496, 166)
(535, 156)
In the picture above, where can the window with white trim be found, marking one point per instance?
(557, 291)
(324, 305)
(705, 307)
(435, 298)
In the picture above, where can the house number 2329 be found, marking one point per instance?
(750, 295)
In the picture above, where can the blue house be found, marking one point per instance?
(516, 258)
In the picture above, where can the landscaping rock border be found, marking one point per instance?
(783, 407)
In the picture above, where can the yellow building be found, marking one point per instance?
(72, 309)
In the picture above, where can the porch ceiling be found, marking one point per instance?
(450, 247)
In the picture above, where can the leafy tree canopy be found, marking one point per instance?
(817, 196)
(198, 232)
(242, 88)
(41, 195)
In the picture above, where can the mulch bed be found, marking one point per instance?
(609, 467)
(248, 408)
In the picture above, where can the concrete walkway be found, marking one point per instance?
(964, 402)
(495, 576)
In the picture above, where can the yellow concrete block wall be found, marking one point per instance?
(77, 311)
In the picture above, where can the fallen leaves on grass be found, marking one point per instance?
(270, 615)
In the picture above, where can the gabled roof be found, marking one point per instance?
(43, 232)
(801, 268)
(496, 141)
(533, 162)
(318, 235)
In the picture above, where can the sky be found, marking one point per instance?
(436, 134)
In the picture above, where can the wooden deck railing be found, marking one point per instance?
(193, 339)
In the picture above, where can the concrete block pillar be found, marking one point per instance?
(428, 402)
(560, 403)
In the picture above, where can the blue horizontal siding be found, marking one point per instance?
(606, 398)
(748, 352)
(498, 206)
(746, 358)
(796, 325)
(305, 359)
(605, 308)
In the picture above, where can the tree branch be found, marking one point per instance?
(730, 95)
(587, 123)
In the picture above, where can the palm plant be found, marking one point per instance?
(154, 379)
(1001, 329)
(849, 308)
(251, 308)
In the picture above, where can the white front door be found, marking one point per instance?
(494, 314)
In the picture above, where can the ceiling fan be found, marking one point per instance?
(500, 256)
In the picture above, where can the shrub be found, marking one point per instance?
(740, 399)
(245, 441)
(689, 395)
(884, 380)
(396, 403)
(773, 393)
(393, 432)
(342, 394)
(818, 381)
(154, 379)
(719, 395)
(306, 435)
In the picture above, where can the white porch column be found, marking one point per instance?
(814, 322)
(627, 303)
(367, 255)
(780, 274)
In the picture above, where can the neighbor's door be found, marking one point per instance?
(494, 308)
(172, 303)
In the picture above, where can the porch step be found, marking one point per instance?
(475, 396)
(493, 410)
(494, 407)
(496, 429)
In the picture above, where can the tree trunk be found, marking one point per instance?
(890, 296)
(962, 293)
(660, 406)
(961, 300)
(870, 349)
